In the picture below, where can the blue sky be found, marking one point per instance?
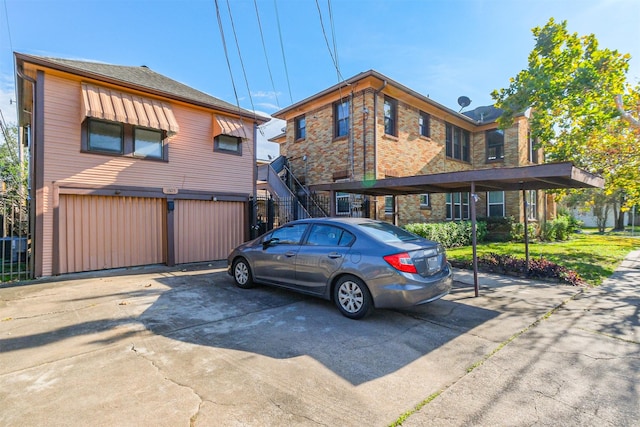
(443, 49)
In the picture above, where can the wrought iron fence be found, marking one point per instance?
(15, 241)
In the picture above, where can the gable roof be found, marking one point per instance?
(140, 78)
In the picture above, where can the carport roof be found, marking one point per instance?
(537, 177)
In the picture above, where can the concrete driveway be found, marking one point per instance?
(161, 346)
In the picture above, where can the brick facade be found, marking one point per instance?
(368, 153)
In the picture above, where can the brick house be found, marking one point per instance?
(129, 167)
(370, 127)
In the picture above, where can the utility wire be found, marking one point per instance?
(286, 71)
(244, 73)
(324, 33)
(333, 33)
(266, 57)
(226, 53)
(6, 15)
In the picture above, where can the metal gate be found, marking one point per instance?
(15, 240)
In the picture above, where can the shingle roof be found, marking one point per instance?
(141, 77)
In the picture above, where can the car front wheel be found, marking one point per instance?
(352, 297)
(242, 274)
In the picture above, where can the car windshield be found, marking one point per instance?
(387, 232)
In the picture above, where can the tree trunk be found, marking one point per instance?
(619, 215)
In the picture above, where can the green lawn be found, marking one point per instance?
(593, 256)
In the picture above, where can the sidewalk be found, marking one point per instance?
(580, 366)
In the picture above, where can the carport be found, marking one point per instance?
(547, 176)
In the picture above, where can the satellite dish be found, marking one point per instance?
(463, 102)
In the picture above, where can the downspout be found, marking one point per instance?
(36, 247)
(375, 140)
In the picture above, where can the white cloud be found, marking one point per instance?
(7, 99)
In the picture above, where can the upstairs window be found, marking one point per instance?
(147, 143)
(533, 153)
(458, 143)
(424, 123)
(390, 116)
(106, 137)
(301, 127)
(228, 144)
(122, 139)
(341, 118)
(495, 145)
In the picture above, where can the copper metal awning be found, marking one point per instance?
(109, 104)
(537, 177)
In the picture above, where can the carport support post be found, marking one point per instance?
(526, 231)
(474, 240)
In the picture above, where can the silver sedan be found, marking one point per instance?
(358, 263)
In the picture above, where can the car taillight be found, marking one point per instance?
(401, 262)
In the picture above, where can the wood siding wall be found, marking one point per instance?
(192, 165)
(207, 230)
(98, 232)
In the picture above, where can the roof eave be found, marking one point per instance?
(21, 58)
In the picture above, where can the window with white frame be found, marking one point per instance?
(388, 205)
(532, 204)
(457, 205)
(495, 203)
(425, 201)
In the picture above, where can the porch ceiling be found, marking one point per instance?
(536, 177)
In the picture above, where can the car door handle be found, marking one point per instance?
(334, 255)
(289, 254)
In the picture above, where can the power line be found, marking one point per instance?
(324, 33)
(286, 71)
(6, 15)
(244, 73)
(226, 53)
(266, 57)
(333, 33)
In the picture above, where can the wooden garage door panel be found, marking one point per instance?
(207, 230)
(97, 232)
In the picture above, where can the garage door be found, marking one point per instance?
(206, 230)
(98, 232)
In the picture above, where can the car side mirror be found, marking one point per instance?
(270, 242)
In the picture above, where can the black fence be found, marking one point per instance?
(15, 240)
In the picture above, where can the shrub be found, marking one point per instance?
(517, 231)
(539, 268)
(450, 234)
(498, 228)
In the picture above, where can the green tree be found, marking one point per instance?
(571, 86)
(13, 182)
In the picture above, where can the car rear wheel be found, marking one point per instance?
(242, 274)
(352, 297)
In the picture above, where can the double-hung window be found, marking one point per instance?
(533, 153)
(532, 204)
(457, 205)
(495, 203)
(458, 143)
(495, 145)
(341, 118)
(105, 137)
(424, 123)
(389, 207)
(301, 127)
(390, 116)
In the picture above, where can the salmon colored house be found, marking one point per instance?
(129, 167)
